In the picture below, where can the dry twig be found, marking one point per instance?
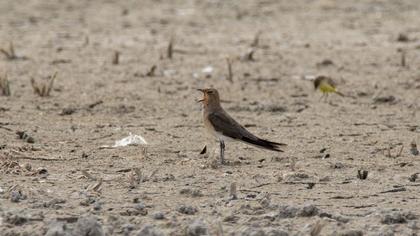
(116, 58)
(403, 55)
(256, 40)
(97, 186)
(230, 71)
(232, 192)
(170, 48)
(151, 71)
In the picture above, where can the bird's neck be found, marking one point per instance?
(210, 108)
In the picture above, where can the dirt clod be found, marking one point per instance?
(17, 196)
(149, 230)
(88, 225)
(56, 228)
(187, 210)
(197, 228)
(351, 233)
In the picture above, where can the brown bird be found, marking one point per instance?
(223, 127)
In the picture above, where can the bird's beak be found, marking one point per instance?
(201, 90)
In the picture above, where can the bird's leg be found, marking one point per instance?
(222, 152)
(320, 99)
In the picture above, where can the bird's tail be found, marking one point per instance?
(273, 146)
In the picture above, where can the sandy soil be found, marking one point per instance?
(67, 183)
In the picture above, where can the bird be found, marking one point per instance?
(326, 85)
(224, 128)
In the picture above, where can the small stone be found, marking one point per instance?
(337, 165)
(185, 191)
(413, 149)
(158, 216)
(196, 193)
(67, 111)
(140, 209)
(413, 177)
(97, 206)
(42, 171)
(188, 210)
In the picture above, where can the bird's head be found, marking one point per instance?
(318, 80)
(210, 97)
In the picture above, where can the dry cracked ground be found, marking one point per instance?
(351, 164)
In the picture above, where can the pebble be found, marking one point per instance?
(158, 216)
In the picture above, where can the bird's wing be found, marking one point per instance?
(331, 82)
(226, 125)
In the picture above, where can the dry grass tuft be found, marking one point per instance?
(10, 54)
(5, 85)
(44, 89)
